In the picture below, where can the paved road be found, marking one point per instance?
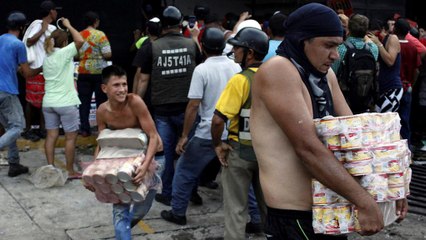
(72, 212)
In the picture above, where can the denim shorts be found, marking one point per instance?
(68, 117)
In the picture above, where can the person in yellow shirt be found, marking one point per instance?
(237, 157)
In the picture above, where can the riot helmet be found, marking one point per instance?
(16, 21)
(171, 17)
(251, 38)
(213, 39)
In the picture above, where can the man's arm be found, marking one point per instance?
(389, 51)
(221, 148)
(26, 71)
(147, 125)
(100, 122)
(190, 115)
(141, 82)
(283, 96)
(33, 39)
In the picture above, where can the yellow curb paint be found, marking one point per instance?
(145, 227)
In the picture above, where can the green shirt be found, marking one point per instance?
(58, 71)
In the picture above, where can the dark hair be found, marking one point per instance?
(113, 70)
(402, 27)
(358, 25)
(90, 18)
(276, 24)
(46, 7)
(375, 25)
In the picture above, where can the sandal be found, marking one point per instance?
(74, 176)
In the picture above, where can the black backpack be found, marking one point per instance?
(357, 76)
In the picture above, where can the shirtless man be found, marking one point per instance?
(127, 110)
(287, 147)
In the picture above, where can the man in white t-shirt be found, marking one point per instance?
(34, 39)
(208, 81)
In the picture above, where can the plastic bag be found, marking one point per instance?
(49, 176)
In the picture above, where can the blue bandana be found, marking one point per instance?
(309, 21)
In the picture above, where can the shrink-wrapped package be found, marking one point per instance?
(369, 147)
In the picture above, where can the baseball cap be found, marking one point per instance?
(48, 5)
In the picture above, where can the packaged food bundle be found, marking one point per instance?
(351, 140)
(358, 131)
(322, 195)
(376, 185)
(328, 126)
(331, 142)
(407, 180)
(351, 124)
(334, 219)
(396, 179)
(395, 193)
(359, 168)
(371, 121)
(369, 147)
(362, 154)
(325, 196)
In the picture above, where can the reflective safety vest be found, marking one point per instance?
(244, 136)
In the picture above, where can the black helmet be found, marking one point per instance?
(171, 17)
(16, 20)
(213, 39)
(251, 38)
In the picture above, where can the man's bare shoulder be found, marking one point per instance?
(134, 101)
(277, 71)
(102, 108)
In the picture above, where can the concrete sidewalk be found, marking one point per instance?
(72, 212)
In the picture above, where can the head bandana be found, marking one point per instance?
(309, 21)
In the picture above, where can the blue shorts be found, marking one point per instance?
(68, 117)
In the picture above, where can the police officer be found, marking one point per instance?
(208, 81)
(240, 169)
(167, 63)
(13, 56)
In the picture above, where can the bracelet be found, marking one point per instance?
(379, 46)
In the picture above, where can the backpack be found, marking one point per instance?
(357, 77)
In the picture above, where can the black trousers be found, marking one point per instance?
(86, 85)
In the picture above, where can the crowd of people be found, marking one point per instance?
(235, 99)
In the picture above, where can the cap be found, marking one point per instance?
(48, 5)
(154, 20)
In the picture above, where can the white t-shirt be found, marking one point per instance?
(36, 53)
(207, 83)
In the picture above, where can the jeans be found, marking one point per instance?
(13, 121)
(253, 208)
(169, 128)
(404, 113)
(86, 85)
(198, 154)
(124, 214)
